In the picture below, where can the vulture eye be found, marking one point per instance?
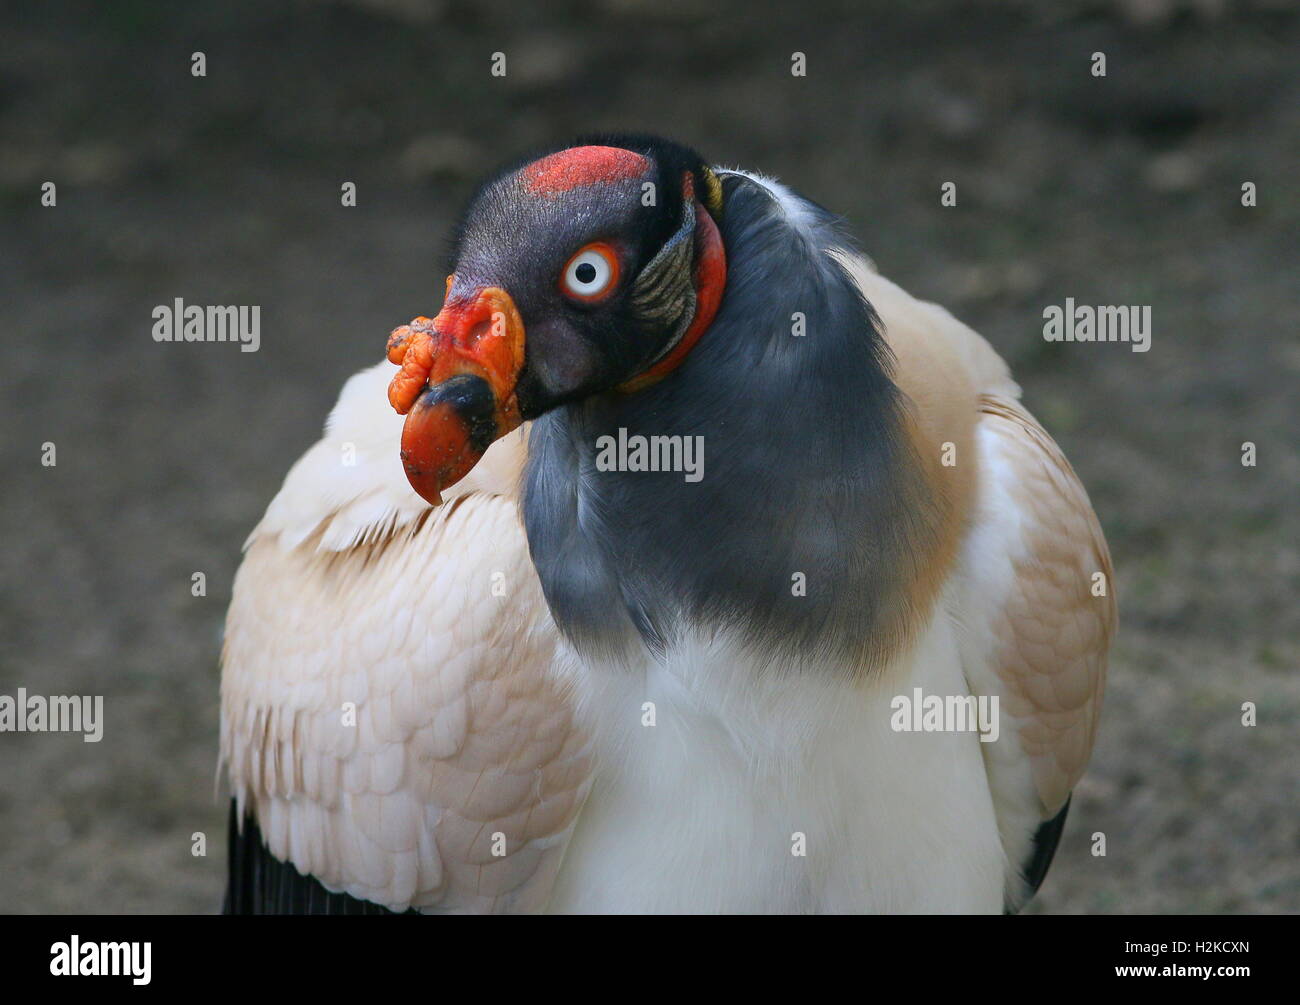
(591, 274)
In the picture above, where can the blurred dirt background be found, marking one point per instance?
(225, 189)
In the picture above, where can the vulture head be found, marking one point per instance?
(592, 269)
(622, 291)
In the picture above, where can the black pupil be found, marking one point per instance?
(585, 273)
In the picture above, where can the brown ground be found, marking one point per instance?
(225, 190)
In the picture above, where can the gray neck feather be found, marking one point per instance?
(806, 472)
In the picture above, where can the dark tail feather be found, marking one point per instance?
(259, 883)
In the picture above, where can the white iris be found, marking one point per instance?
(588, 274)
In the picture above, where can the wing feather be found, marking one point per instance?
(1037, 624)
(1058, 615)
(431, 626)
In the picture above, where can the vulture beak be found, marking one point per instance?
(456, 385)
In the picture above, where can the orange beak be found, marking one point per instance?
(456, 386)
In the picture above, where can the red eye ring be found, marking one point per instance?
(603, 268)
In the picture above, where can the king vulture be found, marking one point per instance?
(478, 660)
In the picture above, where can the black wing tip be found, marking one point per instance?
(1046, 839)
(259, 883)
